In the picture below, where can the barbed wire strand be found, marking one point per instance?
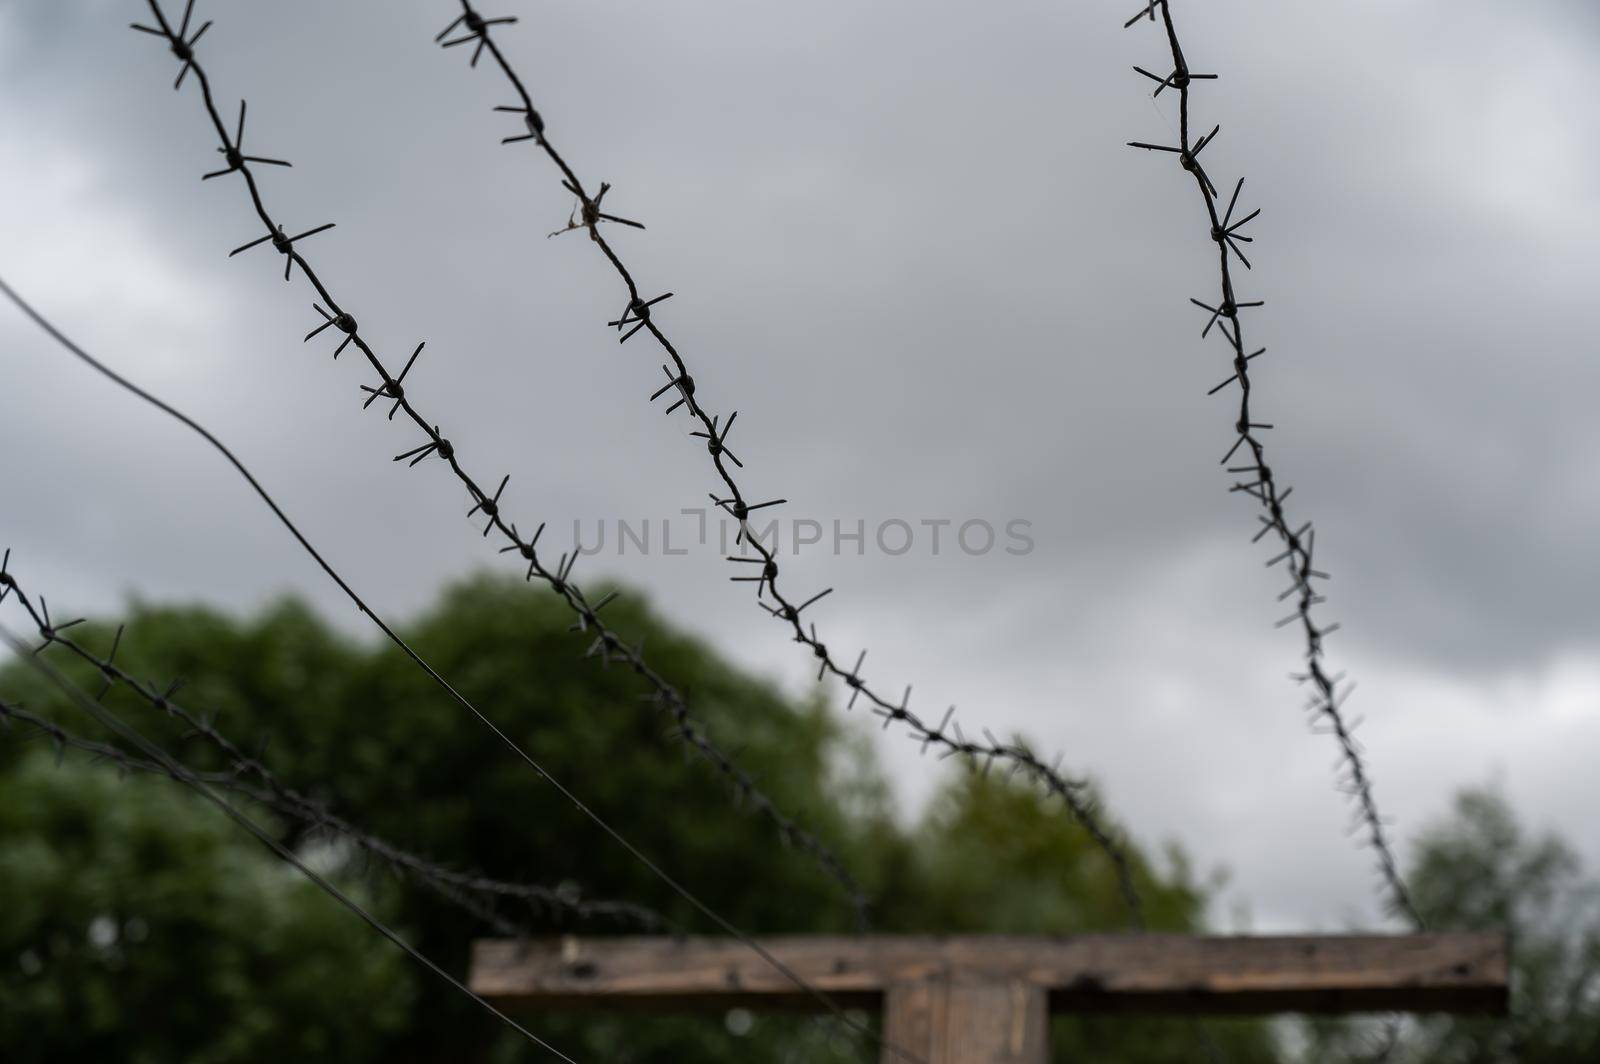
(439, 680)
(154, 753)
(607, 645)
(1329, 691)
(476, 894)
(287, 800)
(947, 736)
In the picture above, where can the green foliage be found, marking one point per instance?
(1480, 870)
(998, 857)
(138, 925)
(359, 726)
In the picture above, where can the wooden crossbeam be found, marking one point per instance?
(1453, 972)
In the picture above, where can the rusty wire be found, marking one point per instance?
(478, 894)
(151, 752)
(639, 313)
(1255, 476)
(606, 645)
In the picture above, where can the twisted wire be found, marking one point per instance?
(607, 645)
(946, 736)
(438, 679)
(12, 713)
(476, 894)
(282, 798)
(1328, 691)
(179, 772)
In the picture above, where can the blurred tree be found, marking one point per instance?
(1480, 869)
(137, 924)
(363, 729)
(995, 856)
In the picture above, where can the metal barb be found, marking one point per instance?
(437, 443)
(249, 776)
(1296, 545)
(586, 215)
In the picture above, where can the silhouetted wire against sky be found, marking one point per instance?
(946, 737)
(906, 243)
(1254, 477)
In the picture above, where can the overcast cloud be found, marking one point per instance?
(909, 247)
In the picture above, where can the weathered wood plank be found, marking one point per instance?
(1004, 1022)
(1456, 972)
(913, 1019)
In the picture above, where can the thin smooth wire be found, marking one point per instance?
(683, 892)
(179, 772)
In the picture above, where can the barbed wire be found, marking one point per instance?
(607, 646)
(433, 674)
(639, 313)
(476, 894)
(455, 887)
(274, 793)
(1329, 691)
(151, 752)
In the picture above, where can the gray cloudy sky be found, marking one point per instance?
(909, 248)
